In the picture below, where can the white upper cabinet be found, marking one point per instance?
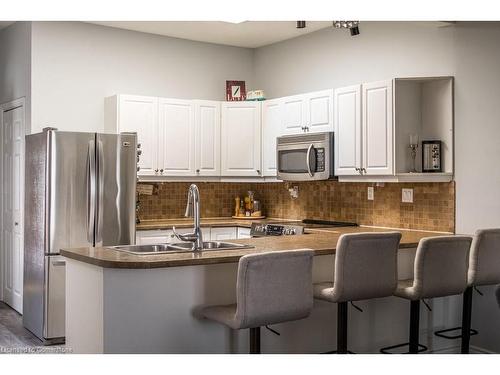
(293, 114)
(272, 127)
(319, 111)
(132, 113)
(311, 112)
(347, 103)
(374, 122)
(207, 139)
(241, 139)
(177, 129)
(378, 143)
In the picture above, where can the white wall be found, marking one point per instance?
(76, 65)
(15, 65)
(469, 51)
(332, 58)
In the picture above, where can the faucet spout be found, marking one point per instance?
(193, 208)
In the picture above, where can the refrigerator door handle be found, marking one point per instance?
(91, 192)
(100, 192)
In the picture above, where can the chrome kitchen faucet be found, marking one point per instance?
(193, 209)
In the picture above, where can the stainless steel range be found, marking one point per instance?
(294, 227)
(261, 230)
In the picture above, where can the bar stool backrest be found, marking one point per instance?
(366, 266)
(441, 265)
(274, 287)
(484, 259)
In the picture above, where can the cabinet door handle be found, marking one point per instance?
(156, 170)
(197, 171)
(258, 171)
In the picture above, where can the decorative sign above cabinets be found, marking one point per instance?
(235, 91)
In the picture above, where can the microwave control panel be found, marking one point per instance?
(320, 160)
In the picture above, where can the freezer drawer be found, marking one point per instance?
(54, 314)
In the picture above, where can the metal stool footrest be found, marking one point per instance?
(442, 333)
(421, 348)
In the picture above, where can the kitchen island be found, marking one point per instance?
(118, 302)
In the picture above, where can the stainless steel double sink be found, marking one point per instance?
(178, 247)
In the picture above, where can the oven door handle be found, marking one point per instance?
(308, 159)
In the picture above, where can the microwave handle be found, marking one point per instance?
(308, 159)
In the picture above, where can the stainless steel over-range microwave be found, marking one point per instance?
(305, 157)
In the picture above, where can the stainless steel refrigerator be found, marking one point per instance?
(80, 190)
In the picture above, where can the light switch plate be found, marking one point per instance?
(370, 193)
(407, 196)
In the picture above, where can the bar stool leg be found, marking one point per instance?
(255, 340)
(342, 328)
(414, 326)
(466, 320)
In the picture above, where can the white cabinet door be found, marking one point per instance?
(319, 111)
(347, 136)
(140, 114)
(225, 233)
(176, 123)
(243, 233)
(272, 127)
(152, 237)
(241, 139)
(293, 114)
(378, 148)
(207, 139)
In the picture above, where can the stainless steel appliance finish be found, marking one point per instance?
(261, 230)
(179, 247)
(193, 209)
(305, 157)
(431, 156)
(80, 191)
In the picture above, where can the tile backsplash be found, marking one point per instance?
(433, 206)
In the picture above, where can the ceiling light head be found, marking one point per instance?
(301, 24)
(354, 30)
(351, 25)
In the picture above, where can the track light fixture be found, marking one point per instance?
(351, 25)
(301, 24)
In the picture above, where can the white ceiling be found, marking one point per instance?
(250, 34)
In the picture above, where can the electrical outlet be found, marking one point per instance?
(407, 196)
(370, 193)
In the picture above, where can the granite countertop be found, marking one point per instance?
(205, 222)
(322, 241)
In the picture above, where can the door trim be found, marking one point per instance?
(4, 107)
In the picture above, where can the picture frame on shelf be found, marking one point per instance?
(235, 91)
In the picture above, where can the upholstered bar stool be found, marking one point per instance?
(484, 269)
(440, 270)
(271, 288)
(365, 268)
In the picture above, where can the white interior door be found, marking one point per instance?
(378, 140)
(12, 205)
(347, 130)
